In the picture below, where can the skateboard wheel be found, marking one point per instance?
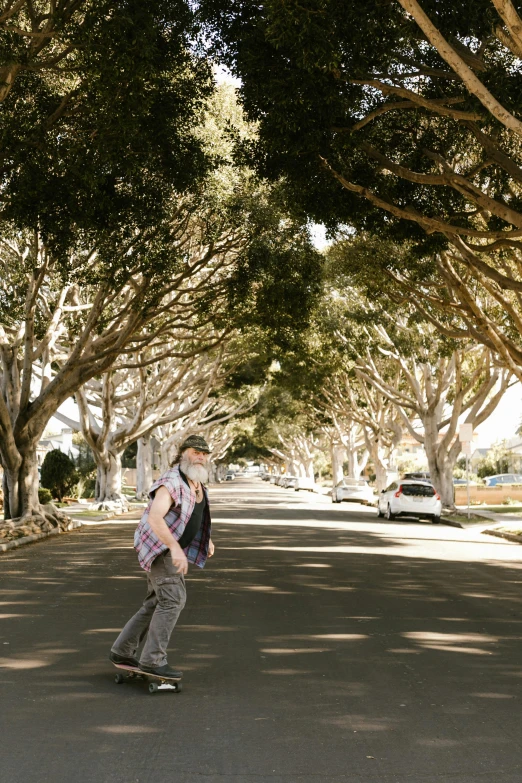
(119, 678)
(153, 688)
(178, 687)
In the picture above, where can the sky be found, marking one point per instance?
(504, 422)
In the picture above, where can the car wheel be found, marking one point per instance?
(389, 514)
(435, 520)
(379, 512)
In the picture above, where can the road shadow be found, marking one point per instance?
(303, 633)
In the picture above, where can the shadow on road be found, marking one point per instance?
(314, 645)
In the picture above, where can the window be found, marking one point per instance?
(418, 490)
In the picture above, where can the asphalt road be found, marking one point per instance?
(320, 645)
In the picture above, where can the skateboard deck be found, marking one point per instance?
(156, 681)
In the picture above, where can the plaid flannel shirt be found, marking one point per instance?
(147, 544)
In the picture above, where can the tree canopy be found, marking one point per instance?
(99, 105)
(396, 119)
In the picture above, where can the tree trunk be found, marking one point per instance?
(144, 468)
(356, 466)
(292, 468)
(212, 472)
(441, 464)
(5, 489)
(308, 467)
(165, 459)
(21, 504)
(380, 462)
(337, 458)
(447, 492)
(441, 476)
(28, 483)
(22, 487)
(108, 480)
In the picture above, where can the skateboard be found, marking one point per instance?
(156, 681)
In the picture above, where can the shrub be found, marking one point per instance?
(44, 496)
(58, 473)
(84, 462)
(89, 488)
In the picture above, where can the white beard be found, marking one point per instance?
(194, 472)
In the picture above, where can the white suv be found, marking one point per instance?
(408, 498)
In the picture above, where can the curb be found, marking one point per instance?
(507, 536)
(36, 537)
(452, 523)
(92, 519)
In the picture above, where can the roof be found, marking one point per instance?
(48, 444)
(514, 444)
(424, 482)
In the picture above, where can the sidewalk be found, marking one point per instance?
(508, 526)
(80, 515)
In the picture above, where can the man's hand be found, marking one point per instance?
(210, 548)
(179, 561)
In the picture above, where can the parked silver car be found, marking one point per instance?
(304, 483)
(356, 490)
(288, 481)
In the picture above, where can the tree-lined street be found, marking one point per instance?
(245, 242)
(319, 644)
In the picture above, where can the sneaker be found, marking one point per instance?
(124, 660)
(162, 671)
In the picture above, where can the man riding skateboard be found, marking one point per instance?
(173, 532)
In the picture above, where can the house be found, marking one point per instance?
(410, 448)
(514, 447)
(62, 441)
(477, 456)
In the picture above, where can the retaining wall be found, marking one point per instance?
(493, 496)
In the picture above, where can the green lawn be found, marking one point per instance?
(462, 516)
(507, 509)
(513, 529)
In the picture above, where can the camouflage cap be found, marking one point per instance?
(197, 442)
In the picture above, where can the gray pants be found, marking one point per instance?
(166, 596)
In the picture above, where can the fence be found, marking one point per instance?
(492, 496)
